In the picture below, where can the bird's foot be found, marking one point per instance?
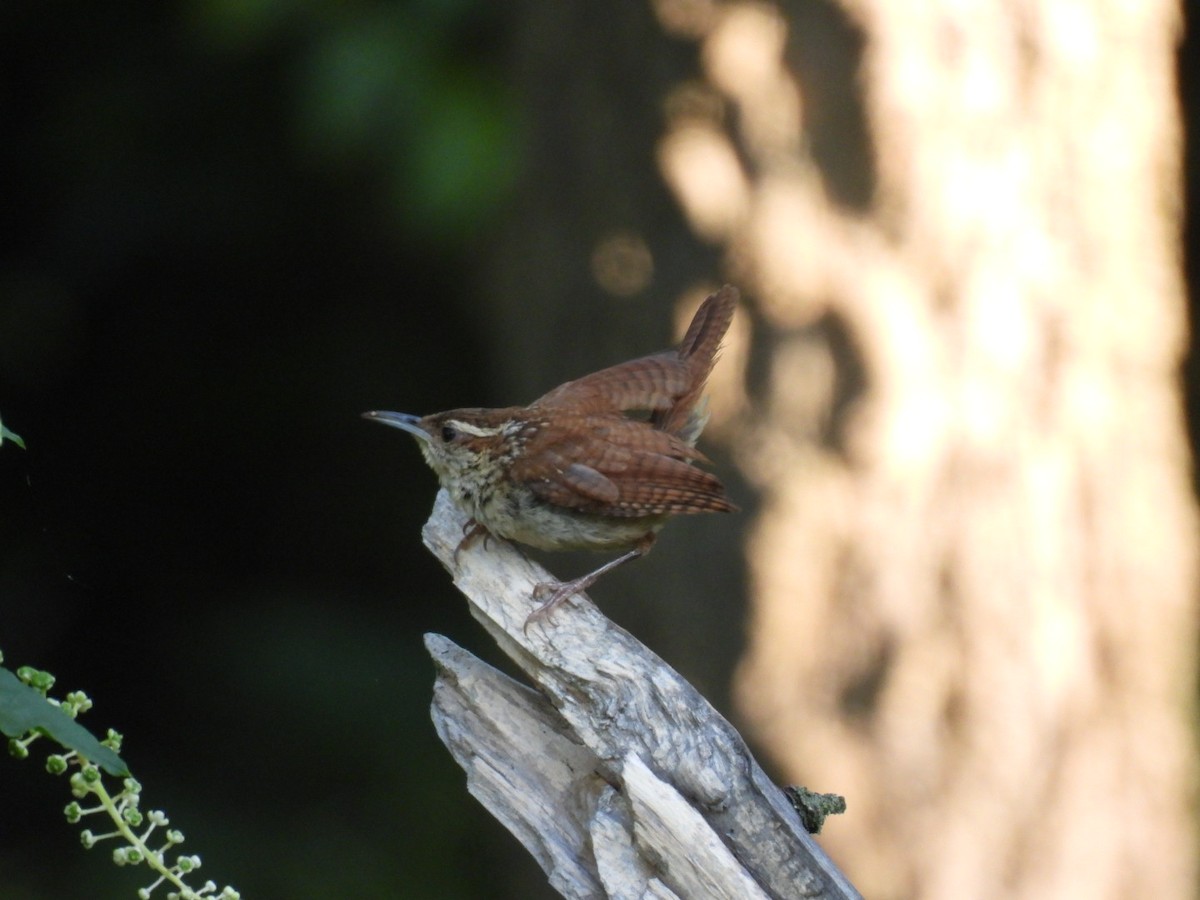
(552, 594)
(472, 531)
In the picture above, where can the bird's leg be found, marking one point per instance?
(472, 531)
(560, 591)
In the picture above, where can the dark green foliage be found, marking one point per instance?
(24, 709)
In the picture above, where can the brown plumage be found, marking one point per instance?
(572, 470)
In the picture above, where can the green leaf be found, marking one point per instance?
(23, 709)
(6, 435)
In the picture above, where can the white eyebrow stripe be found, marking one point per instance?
(475, 430)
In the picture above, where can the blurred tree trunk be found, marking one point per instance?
(585, 273)
(974, 569)
(592, 78)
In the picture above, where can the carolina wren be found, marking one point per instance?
(572, 471)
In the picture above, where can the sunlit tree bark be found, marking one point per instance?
(974, 570)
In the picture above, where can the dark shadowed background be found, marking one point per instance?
(228, 228)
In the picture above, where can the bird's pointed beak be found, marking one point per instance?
(403, 421)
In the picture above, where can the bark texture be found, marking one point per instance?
(974, 571)
(618, 777)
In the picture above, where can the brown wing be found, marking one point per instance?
(609, 465)
(667, 384)
(649, 383)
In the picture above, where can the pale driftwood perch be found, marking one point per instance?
(615, 773)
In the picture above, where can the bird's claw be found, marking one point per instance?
(472, 531)
(558, 593)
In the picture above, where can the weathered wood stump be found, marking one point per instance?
(613, 771)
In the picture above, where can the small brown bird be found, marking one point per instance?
(572, 471)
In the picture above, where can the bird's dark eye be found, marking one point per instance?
(449, 433)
